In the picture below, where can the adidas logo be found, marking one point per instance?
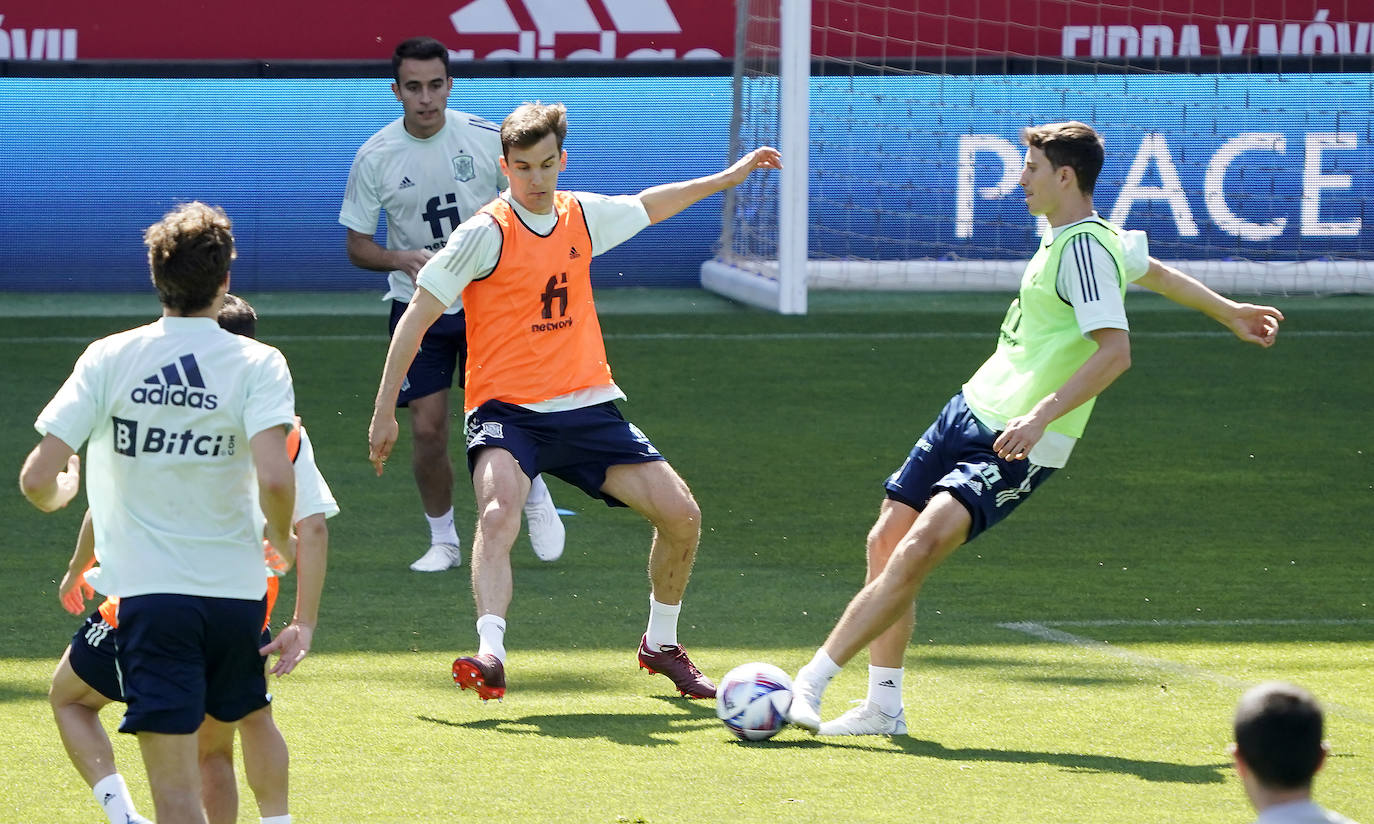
(106, 799)
(643, 21)
(173, 386)
(406, 183)
(572, 253)
(887, 683)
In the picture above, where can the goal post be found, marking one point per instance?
(1240, 144)
(742, 272)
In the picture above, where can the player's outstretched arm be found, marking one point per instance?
(1252, 323)
(73, 591)
(312, 550)
(662, 202)
(423, 311)
(51, 475)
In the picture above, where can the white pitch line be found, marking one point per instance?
(756, 336)
(1162, 664)
(1202, 622)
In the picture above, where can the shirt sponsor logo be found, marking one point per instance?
(158, 441)
(179, 383)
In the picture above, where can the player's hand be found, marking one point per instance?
(278, 563)
(293, 644)
(73, 592)
(412, 260)
(1016, 441)
(1255, 324)
(381, 437)
(68, 482)
(764, 157)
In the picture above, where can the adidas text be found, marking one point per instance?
(174, 396)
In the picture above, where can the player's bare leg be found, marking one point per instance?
(433, 470)
(173, 777)
(219, 789)
(501, 487)
(76, 708)
(655, 491)
(266, 762)
(940, 529)
(881, 712)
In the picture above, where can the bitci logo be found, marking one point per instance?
(649, 21)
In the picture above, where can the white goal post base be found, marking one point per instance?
(756, 282)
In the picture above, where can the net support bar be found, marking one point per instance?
(794, 132)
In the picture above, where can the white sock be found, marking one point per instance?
(491, 636)
(885, 688)
(276, 819)
(442, 530)
(818, 672)
(662, 631)
(112, 794)
(539, 491)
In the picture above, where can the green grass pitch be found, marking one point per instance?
(1078, 663)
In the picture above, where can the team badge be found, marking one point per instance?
(463, 168)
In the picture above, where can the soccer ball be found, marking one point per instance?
(752, 700)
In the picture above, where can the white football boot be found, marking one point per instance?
(805, 709)
(439, 558)
(545, 528)
(866, 719)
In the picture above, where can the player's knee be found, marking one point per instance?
(499, 514)
(430, 434)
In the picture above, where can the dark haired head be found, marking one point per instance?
(418, 48)
(1073, 144)
(189, 252)
(237, 316)
(1278, 731)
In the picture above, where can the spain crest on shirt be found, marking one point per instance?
(463, 168)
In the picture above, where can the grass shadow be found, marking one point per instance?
(633, 729)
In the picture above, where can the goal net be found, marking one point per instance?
(1239, 136)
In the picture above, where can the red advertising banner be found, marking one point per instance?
(674, 29)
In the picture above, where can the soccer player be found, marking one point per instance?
(539, 395)
(86, 679)
(182, 418)
(430, 170)
(1063, 341)
(1278, 750)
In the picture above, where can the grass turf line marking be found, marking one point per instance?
(1161, 664)
(760, 336)
(1203, 622)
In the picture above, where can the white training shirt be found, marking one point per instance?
(169, 409)
(475, 247)
(313, 495)
(1087, 277)
(426, 187)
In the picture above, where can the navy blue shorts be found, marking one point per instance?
(443, 355)
(182, 657)
(577, 446)
(92, 657)
(955, 455)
